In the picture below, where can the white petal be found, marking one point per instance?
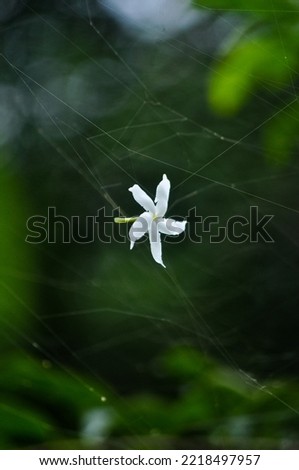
(155, 242)
(142, 198)
(162, 195)
(171, 226)
(140, 227)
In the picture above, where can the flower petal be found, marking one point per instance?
(171, 226)
(162, 195)
(140, 227)
(155, 243)
(142, 198)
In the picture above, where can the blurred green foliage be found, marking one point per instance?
(261, 56)
(41, 405)
(100, 347)
(213, 406)
(248, 65)
(255, 6)
(15, 255)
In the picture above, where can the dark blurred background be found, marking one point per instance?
(101, 347)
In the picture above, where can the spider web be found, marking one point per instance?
(124, 110)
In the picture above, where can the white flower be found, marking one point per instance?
(152, 221)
